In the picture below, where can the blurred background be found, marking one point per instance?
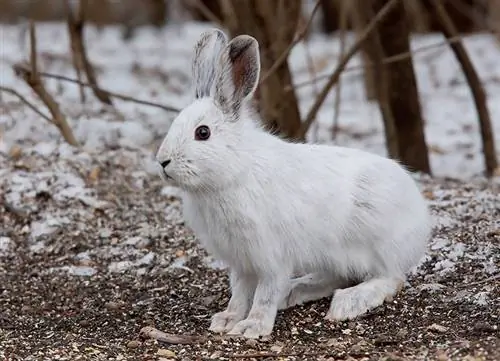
(402, 57)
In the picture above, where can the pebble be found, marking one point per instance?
(113, 306)
(5, 243)
(437, 328)
(166, 353)
(276, 348)
(134, 344)
(251, 342)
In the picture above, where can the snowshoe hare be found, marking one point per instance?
(293, 222)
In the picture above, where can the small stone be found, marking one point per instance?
(437, 328)
(179, 253)
(165, 353)
(441, 356)
(94, 174)
(105, 233)
(15, 152)
(402, 333)
(276, 348)
(483, 327)
(347, 331)
(251, 342)
(134, 344)
(216, 355)
(113, 306)
(360, 348)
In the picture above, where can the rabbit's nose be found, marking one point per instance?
(165, 163)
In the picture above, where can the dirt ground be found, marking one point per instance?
(80, 276)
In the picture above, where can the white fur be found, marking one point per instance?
(294, 222)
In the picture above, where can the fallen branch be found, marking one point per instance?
(449, 30)
(31, 76)
(311, 115)
(110, 93)
(155, 334)
(76, 26)
(388, 60)
(299, 36)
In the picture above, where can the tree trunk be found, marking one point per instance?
(402, 98)
(449, 30)
(376, 78)
(273, 23)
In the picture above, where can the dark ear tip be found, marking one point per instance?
(241, 44)
(219, 34)
(244, 41)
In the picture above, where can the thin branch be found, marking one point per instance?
(311, 116)
(112, 94)
(388, 60)
(76, 26)
(299, 36)
(31, 76)
(25, 101)
(206, 12)
(76, 56)
(449, 30)
(343, 17)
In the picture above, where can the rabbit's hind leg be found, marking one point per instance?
(311, 287)
(348, 303)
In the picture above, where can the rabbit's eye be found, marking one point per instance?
(202, 133)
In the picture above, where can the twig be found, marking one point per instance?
(343, 14)
(206, 12)
(25, 101)
(477, 283)
(299, 36)
(76, 26)
(110, 93)
(76, 56)
(32, 77)
(311, 116)
(151, 332)
(388, 60)
(449, 30)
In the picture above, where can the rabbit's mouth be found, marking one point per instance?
(167, 177)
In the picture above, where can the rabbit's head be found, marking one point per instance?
(201, 148)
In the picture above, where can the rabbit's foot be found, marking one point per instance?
(224, 321)
(348, 303)
(310, 287)
(252, 328)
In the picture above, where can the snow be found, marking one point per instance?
(155, 66)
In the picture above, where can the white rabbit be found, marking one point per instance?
(293, 222)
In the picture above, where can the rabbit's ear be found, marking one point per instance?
(239, 72)
(206, 59)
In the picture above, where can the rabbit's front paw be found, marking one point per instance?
(224, 321)
(252, 328)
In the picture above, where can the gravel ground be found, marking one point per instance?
(93, 249)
